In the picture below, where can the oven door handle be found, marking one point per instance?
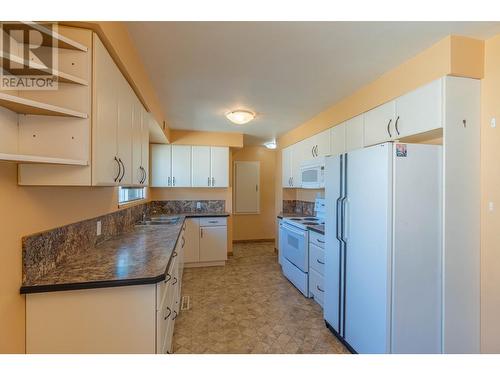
(292, 230)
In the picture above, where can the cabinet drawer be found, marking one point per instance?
(316, 286)
(317, 258)
(317, 239)
(213, 221)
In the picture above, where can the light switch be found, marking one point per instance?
(98, 231)
(493, 122)
(491, 206)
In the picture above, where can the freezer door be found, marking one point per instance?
(367, 232)
(332, 305)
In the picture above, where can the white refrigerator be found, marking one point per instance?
(383, 232)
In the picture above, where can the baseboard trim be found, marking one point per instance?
(256, 240)
(204, 264)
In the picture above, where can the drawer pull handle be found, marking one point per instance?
(169, 313)
(175, 315)
(321, 290)
(174, 254)
(175, 281)
(213, 221)
(319, 261)
(320, 241)
(183, 243)
(168, 278)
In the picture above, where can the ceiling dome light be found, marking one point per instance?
(271, 145)
(240, 116)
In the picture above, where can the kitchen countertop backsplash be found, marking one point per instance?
(43, 251)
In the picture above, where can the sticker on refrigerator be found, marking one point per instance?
(401, 151)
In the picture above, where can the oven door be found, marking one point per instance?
(294, 242)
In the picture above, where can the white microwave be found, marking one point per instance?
(313, 174)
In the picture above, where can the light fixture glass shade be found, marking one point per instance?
(240, 116)
(271, 145)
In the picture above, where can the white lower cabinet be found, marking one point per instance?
(207, 237)
(122, 320)
(316, 266)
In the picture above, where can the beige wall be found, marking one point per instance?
(259, 226)
(186, 137)
(26, 210)
(490, 186)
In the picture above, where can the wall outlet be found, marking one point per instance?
(99, 227)
(491, 206)
(493, 122)
(198, 205)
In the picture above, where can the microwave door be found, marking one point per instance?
(310, 178)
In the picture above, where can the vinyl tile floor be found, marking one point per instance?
(248, 306)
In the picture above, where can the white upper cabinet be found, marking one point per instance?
(161, 165)
(181, 166)
(420, 110)
(124, 131)
(146, 120)
(200, 167)
(338, 139)
(286, 167)
(219, 166)
(137, 174)
(380, 124)
(320, 145)
(105, 166)
(354, 133)
(301, 151)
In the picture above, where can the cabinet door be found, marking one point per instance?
(219, 166)
(137, 139)
(104, 145)
(338, 139)
(354, 133)
(192, 241)
(181, 166)
(286, 167)
(322, 144)
(379, 124)
(124, 134)
(200, 166)
(299, 150)
(146, 119)
(160, 165)
(420, 110)
(213, 244)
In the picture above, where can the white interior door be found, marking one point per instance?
(181, 166)
(161, 163)
(247, 187)
(200, 165)
(219, 166)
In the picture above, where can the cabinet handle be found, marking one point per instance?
(169, 313)
(119, 169)
(389, 128)
(141, 180)
(201, 232)
(320, 241)
(183, 242)
(145, 175)
(168, 278)
(316, 150)
(209, 181)
(175, 281)
(321, 290)
(213, 221)
(175, 315)
(256, 187)
(396, 125)
(168, 182)
(174, 254)
(312, 151)
(123, 173)
(319, 261)
(213, 181)
(173, 181)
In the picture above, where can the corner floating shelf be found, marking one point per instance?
(49, 38)
(32, 107)
(31, 68)
(41, 159)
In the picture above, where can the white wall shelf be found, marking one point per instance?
(34, 159)
(31, 68)
(32, 107)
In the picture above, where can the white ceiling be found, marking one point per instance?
(284, 71)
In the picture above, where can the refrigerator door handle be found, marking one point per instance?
(345, 219)
(339, 221)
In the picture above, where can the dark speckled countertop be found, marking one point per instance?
(141, 256)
